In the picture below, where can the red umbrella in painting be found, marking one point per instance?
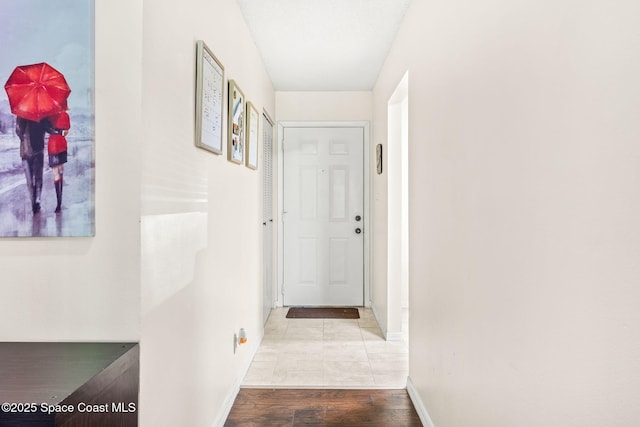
(36, 91)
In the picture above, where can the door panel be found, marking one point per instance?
(323, 195)
(339, 193)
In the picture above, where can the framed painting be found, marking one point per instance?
(209, 99)
(47, 166)
(379, 159)
(252, 136)
(236, 127)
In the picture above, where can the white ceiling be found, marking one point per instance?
(323, 45)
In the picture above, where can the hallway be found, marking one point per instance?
(523, 190)
(327, 353)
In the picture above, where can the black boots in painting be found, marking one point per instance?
(58, 185)
(35, 197)
(36, 191)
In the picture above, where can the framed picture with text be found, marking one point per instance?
(209, 99)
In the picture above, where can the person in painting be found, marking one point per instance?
(31, 136)
(57, 150)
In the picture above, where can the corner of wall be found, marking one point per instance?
(419, 405)
(235, 389)
(382, 324)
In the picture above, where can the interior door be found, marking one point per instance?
(267, 217)
(323, 221)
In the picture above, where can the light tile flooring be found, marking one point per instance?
(327, 353)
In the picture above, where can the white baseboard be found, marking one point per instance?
(419, 405)
(394, 336)
(389, 336)
(382, 327)
(235, 389)
(228, 404)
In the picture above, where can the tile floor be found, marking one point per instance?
(327, 353)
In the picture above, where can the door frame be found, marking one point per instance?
(273, 226)
(364, 125)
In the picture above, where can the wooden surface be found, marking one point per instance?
(296, 407)
(69, 374)
(117, 385)
(322, 313)
(49, 372)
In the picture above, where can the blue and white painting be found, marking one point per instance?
(45, 193)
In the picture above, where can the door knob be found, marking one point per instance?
(358, 231)
(358, 217)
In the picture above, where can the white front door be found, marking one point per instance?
(323, 216)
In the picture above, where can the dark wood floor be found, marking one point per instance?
(344, 408)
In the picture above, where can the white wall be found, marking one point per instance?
(174, 223)
(87, 289)
(524, 207)
(201, 220)
(404, 188)
(327, 106)
(395, 167)
(390, 315)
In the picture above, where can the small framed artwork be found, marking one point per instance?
(252, 136)
(209, 99)
(379, 159)
(236, 140)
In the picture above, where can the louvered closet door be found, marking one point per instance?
(267, 216)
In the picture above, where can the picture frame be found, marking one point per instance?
(43, 203)
(236, 128)
(209, 99)
(253, 120)
(379, 159)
